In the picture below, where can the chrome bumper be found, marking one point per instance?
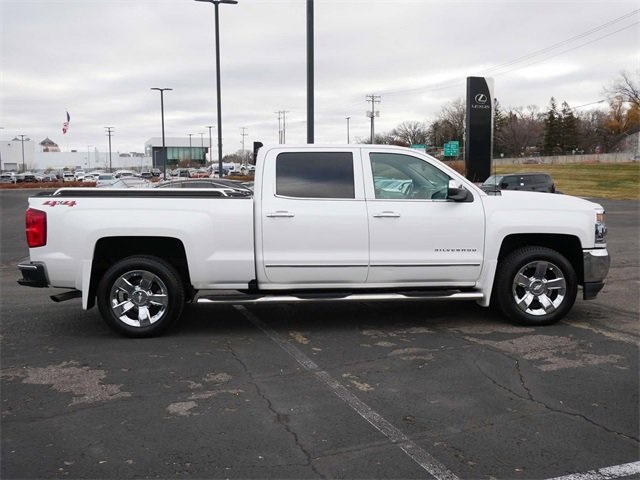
(596, 266)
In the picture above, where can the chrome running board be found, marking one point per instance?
(241, 298)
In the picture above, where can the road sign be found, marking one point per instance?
(452, 148)
(419, 146)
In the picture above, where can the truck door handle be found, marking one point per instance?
(280, 213)
(386, 215)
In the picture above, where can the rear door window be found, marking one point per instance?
(315, 175)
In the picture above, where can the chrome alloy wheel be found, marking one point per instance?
(539, 288)
(139, 298)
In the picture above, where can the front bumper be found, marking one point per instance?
(596, 266)
(33, 275)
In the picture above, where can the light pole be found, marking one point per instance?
(310, 74)
(348, 118)
(210, 156)
(88, 158)
(164, 148)
(202, 145)
(22, 140)
(216, 4)
(190, 154)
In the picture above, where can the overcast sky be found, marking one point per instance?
(97, 59)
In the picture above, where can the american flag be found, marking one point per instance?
(65, 125)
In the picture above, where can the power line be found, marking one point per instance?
(445, 84)
(564, 42)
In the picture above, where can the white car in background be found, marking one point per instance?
(8, 177)
(105, 179)
(68, 177)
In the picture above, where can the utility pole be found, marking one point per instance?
(243, 134)
(109, 133)
(282, 126)
(23, 164)
(373, 113)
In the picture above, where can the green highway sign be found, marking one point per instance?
(452, 148)
(419, 146)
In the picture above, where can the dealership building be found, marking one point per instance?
(179, 149)
(17, 155)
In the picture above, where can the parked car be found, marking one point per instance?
(79, 174)
(534, 182)
(68, 177)
(127, 182)
(146, 174)
(105, 179)
(8, 177)
(124, 173)
(181, 172)
(229, 188)
(49, 177)
(156, 172)
(26, 177)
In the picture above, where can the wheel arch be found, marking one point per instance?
(568, 246)
(109, 250)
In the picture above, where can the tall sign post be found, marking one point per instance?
(478, 145)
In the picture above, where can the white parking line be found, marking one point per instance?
(408, 446)
(608, 473)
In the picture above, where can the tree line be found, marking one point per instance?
(529, 131)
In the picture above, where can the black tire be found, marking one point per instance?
(535, 286)
(140, 296)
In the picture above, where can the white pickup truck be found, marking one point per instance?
(334, 223)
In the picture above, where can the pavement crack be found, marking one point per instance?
(529, 396)
(281, 419)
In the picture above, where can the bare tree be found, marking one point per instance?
(448, 125)
(627, 86)
(521, 131)
(410, 133)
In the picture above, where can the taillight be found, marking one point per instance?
(36, 222)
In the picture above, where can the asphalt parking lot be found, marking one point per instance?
(362, 390)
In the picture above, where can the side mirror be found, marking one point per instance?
(459, 195)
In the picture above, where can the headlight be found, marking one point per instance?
(601, 227)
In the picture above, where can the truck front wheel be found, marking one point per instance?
(140, 296)
(535, 286)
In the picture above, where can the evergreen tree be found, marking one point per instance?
(552, 129)
(569, 129)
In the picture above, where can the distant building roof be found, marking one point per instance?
(48, 142)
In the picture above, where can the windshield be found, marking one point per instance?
(493, 180)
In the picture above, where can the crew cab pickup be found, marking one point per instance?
(325, 223)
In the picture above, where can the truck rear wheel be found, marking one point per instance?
(140, 296)
(535, 286)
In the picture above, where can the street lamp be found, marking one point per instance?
(216, 3)
(164, 148)
(202, 145)
(190, 154)
(210, 156)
